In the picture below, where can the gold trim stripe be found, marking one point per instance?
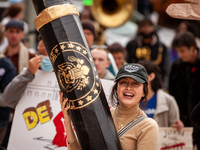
(54, 12)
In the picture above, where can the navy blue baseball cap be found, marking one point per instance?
(134, 71)
(15, 23)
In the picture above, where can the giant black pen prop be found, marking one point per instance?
(59, 25)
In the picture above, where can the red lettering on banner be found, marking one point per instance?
(173, 146)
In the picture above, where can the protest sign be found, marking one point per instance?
(39, 123)
(171, 139)
(38, 120)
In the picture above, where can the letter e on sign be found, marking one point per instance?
(44, 111)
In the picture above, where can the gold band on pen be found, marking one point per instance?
(54, 12)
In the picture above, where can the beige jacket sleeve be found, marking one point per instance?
(148, 138)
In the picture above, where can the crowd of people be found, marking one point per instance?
(153, 82)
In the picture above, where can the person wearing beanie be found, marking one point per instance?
(15, 24)
(16, 50)
(89, 31)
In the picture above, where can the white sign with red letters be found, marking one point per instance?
(171, 139)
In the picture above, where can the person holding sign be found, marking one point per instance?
(135, 129)
(14, 90)
(160, 106)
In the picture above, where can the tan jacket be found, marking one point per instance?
(143, 136)
(167, 111)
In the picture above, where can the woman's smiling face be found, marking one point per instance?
(129, 92)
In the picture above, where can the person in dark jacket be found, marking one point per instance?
(184, 80)
(7, 73)
(146, 46)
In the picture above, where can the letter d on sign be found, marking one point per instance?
(30, 117)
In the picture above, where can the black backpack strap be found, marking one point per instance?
(132, 123)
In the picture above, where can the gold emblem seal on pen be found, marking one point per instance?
(77, 75)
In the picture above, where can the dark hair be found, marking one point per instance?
(150, 67)
(114, 97)
(88, 12)
(190, 27)
(145, 21)
(88, 24)
(184, 39)
(13, 10)
(116, 47)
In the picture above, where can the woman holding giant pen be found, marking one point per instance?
(135, 129)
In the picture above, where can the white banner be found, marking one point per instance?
(38, 121)
(171, 139)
